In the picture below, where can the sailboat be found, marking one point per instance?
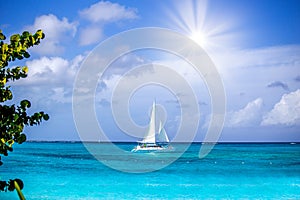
(153, 141)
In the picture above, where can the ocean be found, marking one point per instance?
(58, 170)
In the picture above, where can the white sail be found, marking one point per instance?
(162, 135)
(150, 135)
(150, 139)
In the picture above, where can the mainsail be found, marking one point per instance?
(150, 135)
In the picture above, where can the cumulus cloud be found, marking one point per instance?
(247, 116)
(56, 31)
(105, 11)
(279, 84)
(50, 81)
(286, 111)
(51, 70)
(100, 14)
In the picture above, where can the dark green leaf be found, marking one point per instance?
(40, 34)
(46, 117)
(2, 185)
(11, 185)
(25, 34)
(26, 55)
(25, 104)
(21, 138)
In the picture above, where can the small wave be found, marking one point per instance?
(157, 184)
(190, 185)
(295, 184)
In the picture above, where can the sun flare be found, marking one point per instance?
(211, 33)
(199, 37)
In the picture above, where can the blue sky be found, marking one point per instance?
(255, 46)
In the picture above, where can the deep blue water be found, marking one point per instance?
(230, 171)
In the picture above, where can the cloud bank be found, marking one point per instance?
(248, 116)
(285, 112)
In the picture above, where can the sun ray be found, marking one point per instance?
(190, 18)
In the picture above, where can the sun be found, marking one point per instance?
(199, 37)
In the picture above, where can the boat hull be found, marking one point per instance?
(147, 149)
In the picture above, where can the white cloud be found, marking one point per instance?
(51, 70)
(105, 11)
(98, 15)
(50, 81)
(56, 32)
(247, 116)
(286, 111)
(89, 35)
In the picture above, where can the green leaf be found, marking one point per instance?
(2, 36)
(32, 40)
(15, 38)
(25, 104)
(10, 142)
(21, 138)
(4, 48)
(3, 57)
(11, 185)
(46, 117)
(26, 55)
(9, 95)
(39, 34)
(25, 69)
(25, 34)
(3, 81)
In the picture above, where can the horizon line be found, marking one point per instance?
(195, 142)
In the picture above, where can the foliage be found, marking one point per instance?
(9, 185)
(13, 118)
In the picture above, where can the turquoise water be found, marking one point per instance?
(230, 171)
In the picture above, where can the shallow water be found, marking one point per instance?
(230, 171)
